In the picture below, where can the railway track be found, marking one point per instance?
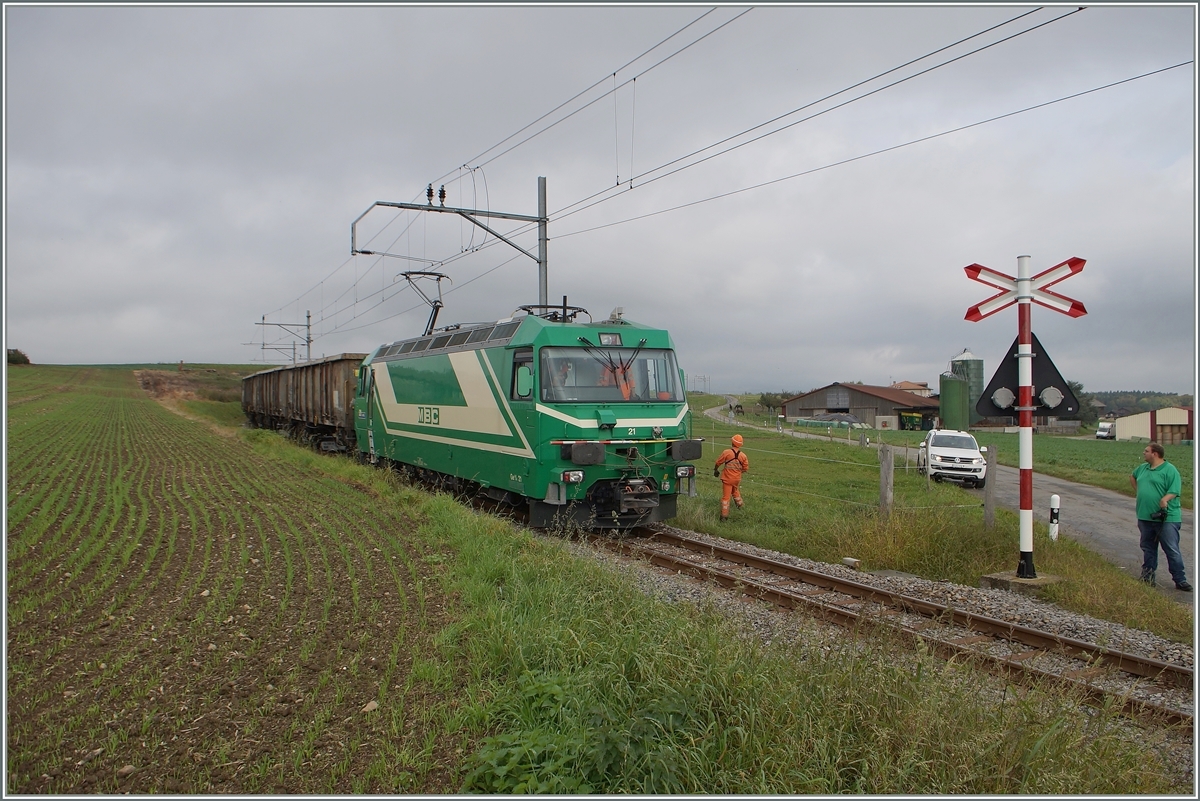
(1140, 686)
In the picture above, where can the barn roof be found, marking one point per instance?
(897, 396)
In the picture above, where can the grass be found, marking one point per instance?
(583, 685)
(819, 500)
(1100, 463)
(507, 664)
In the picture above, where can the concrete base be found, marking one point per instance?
(1008, 581)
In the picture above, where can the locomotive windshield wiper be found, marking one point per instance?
(606, 359)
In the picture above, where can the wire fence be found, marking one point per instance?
(872, 465)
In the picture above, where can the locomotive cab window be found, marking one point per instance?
(522, 381)
(609, 375)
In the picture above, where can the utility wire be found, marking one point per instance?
(867, 155)
(579, 94)
(526, 127)
(559, 215)
(609, 190)
(341, 330)
(874, 152)
(615, 88)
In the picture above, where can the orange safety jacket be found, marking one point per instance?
(735, 463)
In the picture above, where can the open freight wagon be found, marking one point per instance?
(313, 401)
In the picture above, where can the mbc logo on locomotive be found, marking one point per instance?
(428, 415)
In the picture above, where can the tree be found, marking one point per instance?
(17, 357)
(770, 401)
(1087, 412)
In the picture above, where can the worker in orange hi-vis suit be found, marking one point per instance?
(734, 463)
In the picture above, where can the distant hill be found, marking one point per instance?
(1126, 402)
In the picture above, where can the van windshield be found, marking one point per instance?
(609, 375)
(961, 442)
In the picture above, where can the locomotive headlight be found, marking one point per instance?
(685, 471)
(572, 476)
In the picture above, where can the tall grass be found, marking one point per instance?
(582, 684)
(819, 500)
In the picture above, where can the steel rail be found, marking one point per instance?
(1013, 666)
(1129, 663)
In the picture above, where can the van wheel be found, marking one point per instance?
(980, 482)
(937, 477)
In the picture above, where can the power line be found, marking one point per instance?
(608, 190)
(615, 88)
(585, 91)
(520, 230)
(877, 152)
(611, 192)
(501, 142)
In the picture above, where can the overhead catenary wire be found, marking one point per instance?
(572, 209)
(872, 153)
(615, 88)
(609, 194)
(558, 215)
(526, 127)
(580, 94)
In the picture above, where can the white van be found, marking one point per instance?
(953, 455)
(1106, 430)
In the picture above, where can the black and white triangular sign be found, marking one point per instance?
(1051, 393)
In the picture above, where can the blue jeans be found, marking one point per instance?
(1166, 535)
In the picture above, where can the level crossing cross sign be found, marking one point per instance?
(1025, 290)
(1037, 290)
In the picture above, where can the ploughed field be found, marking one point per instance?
(185, 615)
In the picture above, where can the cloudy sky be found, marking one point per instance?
(176, 174)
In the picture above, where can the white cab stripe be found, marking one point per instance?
(621, 422)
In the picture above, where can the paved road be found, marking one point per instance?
(1100, 519)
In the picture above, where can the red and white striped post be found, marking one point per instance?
(1025, 567)
(1025, 290)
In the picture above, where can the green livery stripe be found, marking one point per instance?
(431, 379)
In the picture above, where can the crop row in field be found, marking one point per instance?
(214, 619)
(241, 615)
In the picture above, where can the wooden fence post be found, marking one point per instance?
(886, 463)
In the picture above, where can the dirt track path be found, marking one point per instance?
(1101, 519)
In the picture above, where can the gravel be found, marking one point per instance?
(771, 624)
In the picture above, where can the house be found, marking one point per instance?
(879, 407)
(1169, 426)
(915, 387)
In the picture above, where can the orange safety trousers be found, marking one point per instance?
(730, 489)
(734, 464)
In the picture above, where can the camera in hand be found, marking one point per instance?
(1158, 515)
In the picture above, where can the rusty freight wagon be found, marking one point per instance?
(313, 401)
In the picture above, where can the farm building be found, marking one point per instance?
(1169, 426)
(880, 407)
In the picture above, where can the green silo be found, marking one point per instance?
(970, 369)
(955, 397)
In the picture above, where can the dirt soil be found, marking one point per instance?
(170, 385)
(225, 630)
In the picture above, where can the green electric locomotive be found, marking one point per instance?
(586, 423)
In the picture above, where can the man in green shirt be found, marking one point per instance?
(1159, 516)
